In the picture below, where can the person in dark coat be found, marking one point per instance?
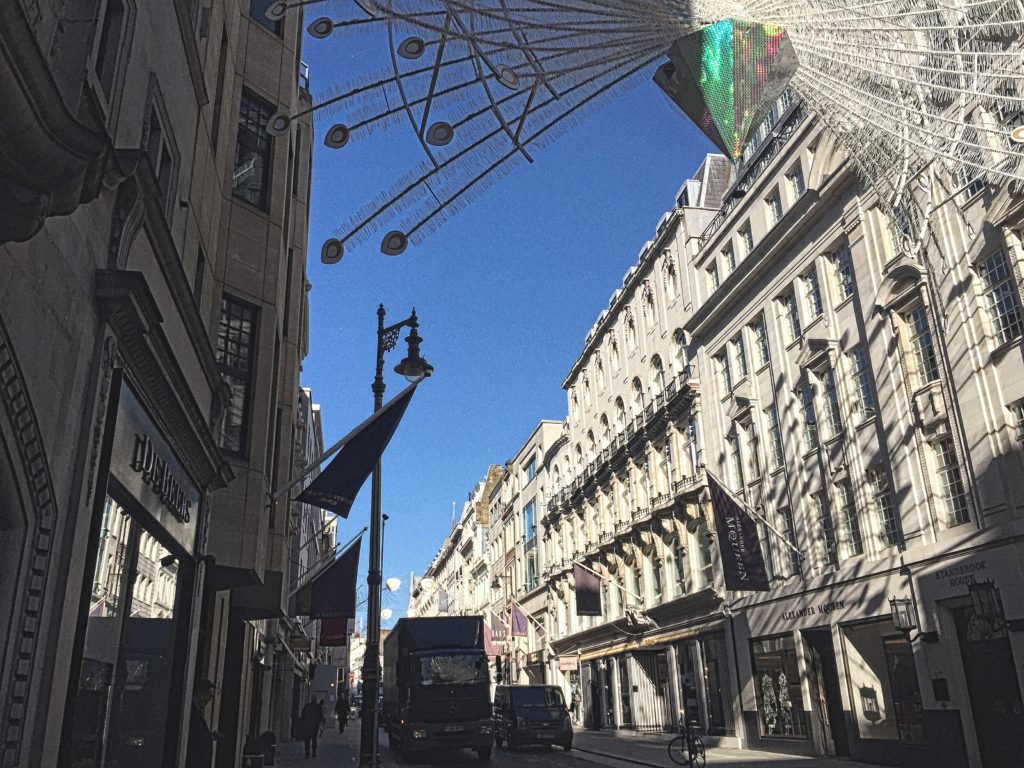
(309, 726)
(341, 711)
(199, 753)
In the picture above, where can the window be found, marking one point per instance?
(638, 397)
(812, 291)
(531, 469)
(764, 540)
(1017, 410)
(657, 588)
(923, 346)
(679, 363)
(863, 387)
(574, 406)
(251, 178)
(109, 47)
(678, 555)
(600, 374)
(703, 555)
(951, 484)
(713, 281)
(842, 267)
(606, 431)
(746, 240)
(753, 462)
(729, 257)
(648, 305)
(971, 163)
(613, 349)
(780, 708)
(1001, 297)
(735, 459)
(658, 374)
(258, 13)
(725, 375)
(791, 317)
(774, 437)
(788, 529)
(630, 330)
(774, 204)
(638, 584)
(620, 414)
(796, 182)
(810, 419)
(850, 519)
(764, 355)
(236, 351)
(218, 99)
(159, 155)
(826, 529)
(881, 494)
(197, 280)
(671, 281)
(833, 418)
(739, 354)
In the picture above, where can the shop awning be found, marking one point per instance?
(260, 601)
(652, 640)
(332, 592)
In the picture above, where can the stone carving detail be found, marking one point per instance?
(35, 473)
(111, 360)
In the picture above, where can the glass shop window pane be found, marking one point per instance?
(777, 687)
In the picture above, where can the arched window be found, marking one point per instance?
(591, 445)
(658, 374)
(648, 305)
(679, 351)
(579, 457)
(620, 414)
(630, 329)
(671, 280)
(606, 431)
(556, 479)
(638, 397)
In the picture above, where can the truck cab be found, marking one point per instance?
(531, 714)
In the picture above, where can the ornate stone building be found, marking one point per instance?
(152, 320)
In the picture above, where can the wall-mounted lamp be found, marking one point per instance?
(904, 617)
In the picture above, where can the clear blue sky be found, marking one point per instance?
(505, 291)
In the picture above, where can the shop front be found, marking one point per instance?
(131, 647)
(827, 672)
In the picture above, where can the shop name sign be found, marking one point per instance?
(568, 663)
(814, 610)
(960, 575)
(156, 473)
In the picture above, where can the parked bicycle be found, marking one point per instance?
(687, 748)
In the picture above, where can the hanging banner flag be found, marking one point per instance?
(738, 545)
(588, 591)
(335, 488)
(499, 630)
(519, 625)
(491, 648)
(333, 591)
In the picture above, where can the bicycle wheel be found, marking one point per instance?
(698, 759)
(677, 751)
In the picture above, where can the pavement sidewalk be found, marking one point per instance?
(334, 749)
(652, 750)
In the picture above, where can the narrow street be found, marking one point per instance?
(590, 750)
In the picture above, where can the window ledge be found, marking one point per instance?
(844, 302)
(999, 351)
(866, 422)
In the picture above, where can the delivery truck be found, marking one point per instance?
(437, 691)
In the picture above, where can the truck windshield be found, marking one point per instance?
(452, 669)
(537, 697)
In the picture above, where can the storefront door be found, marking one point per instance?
(993, 689)
(826, 699)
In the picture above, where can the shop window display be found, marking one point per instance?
(777, 685)
(883, 684)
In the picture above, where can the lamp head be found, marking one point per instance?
(414, 367)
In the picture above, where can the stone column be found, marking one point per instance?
(675, 687)
(616, 689)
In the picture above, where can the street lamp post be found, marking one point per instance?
(413, 368)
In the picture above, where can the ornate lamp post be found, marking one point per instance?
(413, 368)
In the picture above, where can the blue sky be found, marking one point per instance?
(505, 291)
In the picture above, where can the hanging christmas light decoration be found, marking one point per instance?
(483, 84)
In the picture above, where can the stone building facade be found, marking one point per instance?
(152, 320)
(857, 385)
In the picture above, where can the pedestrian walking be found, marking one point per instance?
(574, 705)
(199, 752)
(324, 714)
(341, 711)
(309, 726)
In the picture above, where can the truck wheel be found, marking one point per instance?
(484, 753)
